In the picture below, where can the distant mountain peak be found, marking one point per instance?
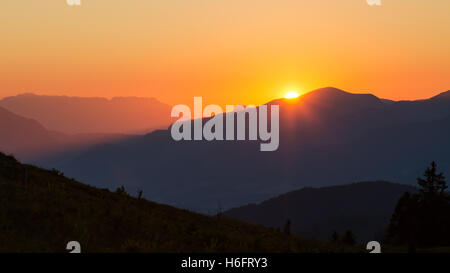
(334, 97)
(333, 91)
(329, 90)
(331, 96)
(443, 95)
(26, 94)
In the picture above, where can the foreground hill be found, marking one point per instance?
(365, 208)
(43, 210)
(327, 137)
(78, 115)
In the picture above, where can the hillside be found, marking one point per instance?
(365, 208)
(42, 210)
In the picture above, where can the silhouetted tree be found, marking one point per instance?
(349, 238)
(433, 184)
(139, 194)
(121, 190)
(287, 227)
(423, 219)
(403, 226)
(57, 172)
(335, 237)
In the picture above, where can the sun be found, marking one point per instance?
(291, 95)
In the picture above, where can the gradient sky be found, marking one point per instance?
(228, 51)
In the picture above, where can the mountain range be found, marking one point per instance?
(27, 139)
(327, 137)
(36, 126)
(82, 115)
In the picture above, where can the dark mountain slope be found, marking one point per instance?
(40, 211)
(365, 208)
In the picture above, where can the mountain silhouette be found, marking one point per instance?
(23, 136)
(327, 137)
(442, 96)
(365, 208)
(27, 139)
(77, 115)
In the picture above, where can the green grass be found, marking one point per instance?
(41, 210)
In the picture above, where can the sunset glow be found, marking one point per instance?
(291, 95)
(229, 52)
(207, 126)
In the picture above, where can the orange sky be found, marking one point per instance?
(228, 51)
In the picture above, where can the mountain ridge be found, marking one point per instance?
(27, 139)
(75, 115)
(364, 207)
(319, 146)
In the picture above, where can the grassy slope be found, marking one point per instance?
(40, 211)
